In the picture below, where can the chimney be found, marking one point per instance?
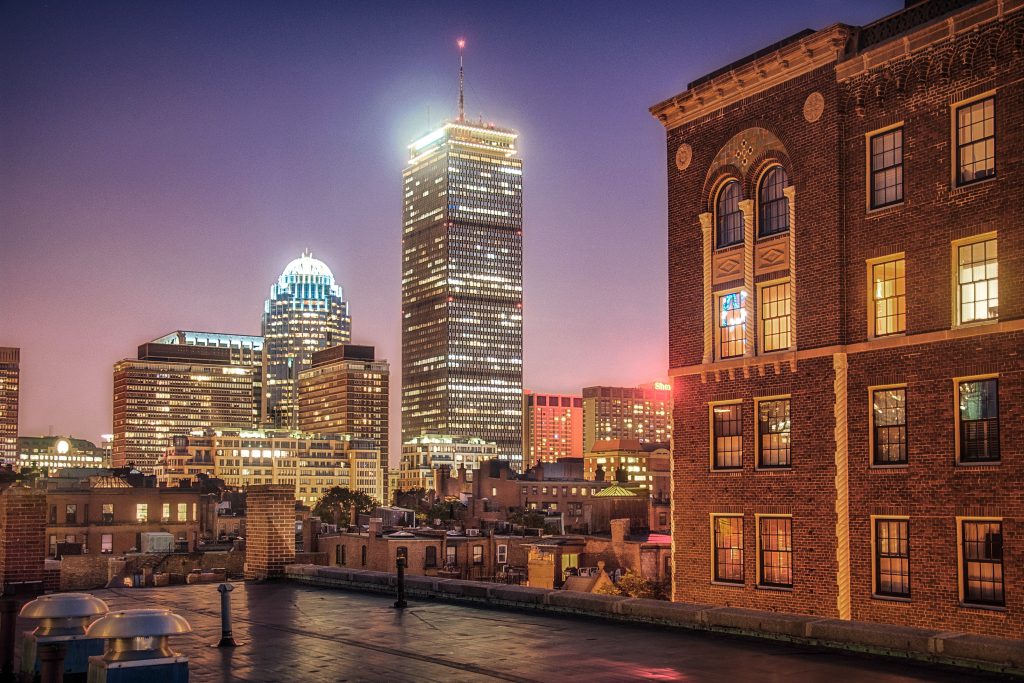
(376, 524)
(620, 528)
(599, 474)
(353, 517)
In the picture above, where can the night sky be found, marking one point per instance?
(160, 164)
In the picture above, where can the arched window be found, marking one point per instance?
(773, 204)
(728, 217)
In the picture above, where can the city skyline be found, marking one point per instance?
(127, 190)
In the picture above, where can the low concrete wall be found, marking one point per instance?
(83, 572)
(950, 649)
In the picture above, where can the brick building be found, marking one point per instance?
(552, 427)
(105, 514)
(22, 544)
(846, 320)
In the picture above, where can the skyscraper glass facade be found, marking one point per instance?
(305, 313)
(462, 287)
(9, 392)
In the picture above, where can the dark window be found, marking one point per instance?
(402, 552)
(979, 421)
(728, 217)
(773, 204)
(53, 514)
(976, 141)
(431, 557)
(892, 557)
(340, 554)
(728, 549)
(773, 433)
(363, 556)
(728, 436)
(776, 551)
(71, 514)
(887, 168)
(983, 563)
(889, 408)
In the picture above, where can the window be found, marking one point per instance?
(889, 426)
(362, 556)
(728, 559)
(53, 514)
(892, 557)
(53, 545)
(732, 324)
(662, 519)
(165, 512)
(773, 204)
(107, 512)
(982, 572)
(775, 319)
(501, 557)
(773, 433)
(106, 543)
(450, 559)
(888, 297)
(887, 168)
(478, 554)
(339, 555)
(142, 512)
(776, 550)
(70, 514)
(430, 558)
(979, 420)
(727, 423)
(728, 217)
(976, 141)
(977, 278)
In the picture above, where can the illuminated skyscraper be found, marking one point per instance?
(462, 286)
(552, 427)
(9, 391)
(643, 413)
(305, 313)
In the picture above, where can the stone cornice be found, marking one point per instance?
(966, 20)
(753, 77)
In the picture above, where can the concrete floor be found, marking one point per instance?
(298, 633)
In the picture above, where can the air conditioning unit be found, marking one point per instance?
(472, 532)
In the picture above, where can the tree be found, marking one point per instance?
(633, 585)
(333, 507)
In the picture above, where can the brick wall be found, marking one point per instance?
(22, 541)
(270, 520)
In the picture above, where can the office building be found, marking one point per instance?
(246, 349)
(345, 391)
(54, 453)
(462, 286)
(305, 313)
(643, 413)
(10, 359)
(172, 389)
(424, 454)
(552, 427)
(312, 463)
(635, 465)
(846, 323)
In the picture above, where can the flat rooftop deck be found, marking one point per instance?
(300, 633)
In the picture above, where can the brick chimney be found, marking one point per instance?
(620, 529)
(22, 539)
(376, 525)
(270, 531)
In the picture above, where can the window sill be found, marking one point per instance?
(959, 189)
(777, 589)
(983, 608)
(726, 470)
(892, 466)
(889, 598)
(894, 335)
(728, 584)
(769, 238)
(882, 210)
(976, 323)
(773, 352)
(971, 464)
(781, 470)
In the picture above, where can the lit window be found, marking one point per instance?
(165, 512)
(773, 433)
(478, 554)
(773, 214)
(976, 141)
(887, 168)
(182, 512)
(71, 514)
(732, 324)
(892, 557)
(979, 420)
(106, 543)
(728, 436)
(728, 217)
(982, 572)
(775, 318)
(502, 554)
(728, 549)
(776, 542)
(888, 297)
(142, 512)
(889, 418)
(977, 281)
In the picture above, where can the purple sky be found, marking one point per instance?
(160, 163)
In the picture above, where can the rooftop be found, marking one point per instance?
(297, 633)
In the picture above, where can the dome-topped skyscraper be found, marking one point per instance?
(306, 312)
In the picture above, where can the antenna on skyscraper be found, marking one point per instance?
(461, 42)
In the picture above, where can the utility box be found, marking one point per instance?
(156, 542)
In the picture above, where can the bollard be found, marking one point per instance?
(400, 583)
(8, 616)
(226, 638)
(51, 662)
